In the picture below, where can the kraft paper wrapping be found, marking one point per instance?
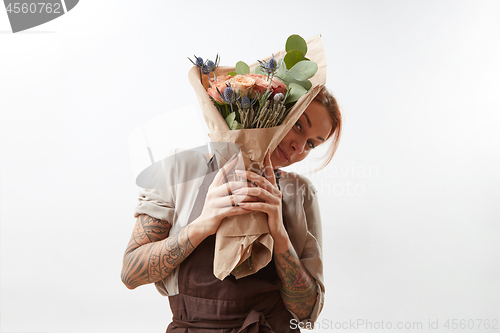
(244, 236)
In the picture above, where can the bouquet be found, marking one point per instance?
(254, 107)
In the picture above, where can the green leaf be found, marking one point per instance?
(257, 70)
(293, 57)
(296, 92)
(236, 126)
(230, 119)
(303, 70)
(281, 71)
(232, 123)
(232, 73)
(305, 83)
(242, 68)
(295, 42)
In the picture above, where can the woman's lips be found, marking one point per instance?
(283, 155)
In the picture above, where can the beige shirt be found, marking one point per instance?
(172, 191)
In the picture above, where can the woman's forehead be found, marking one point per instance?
(318, 119)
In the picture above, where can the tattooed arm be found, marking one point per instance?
(299, 287)
(152, 253)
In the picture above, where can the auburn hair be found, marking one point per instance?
(326, 99)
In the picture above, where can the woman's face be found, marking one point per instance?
(309, 131)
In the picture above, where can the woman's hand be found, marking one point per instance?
(298, 291)
(222, 200)
(268, 200)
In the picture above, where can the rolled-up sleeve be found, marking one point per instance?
(156, 205)
(157, 198)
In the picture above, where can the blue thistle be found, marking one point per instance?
(245, 103)
(207, 66)
(198, 63)
(272, 64)
(211, 66)
(230, 96)
(205, 69)
(269, 67)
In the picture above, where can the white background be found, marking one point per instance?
(409, 203)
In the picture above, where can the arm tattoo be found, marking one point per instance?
(154, 229)
(152, 254)
(299, 288)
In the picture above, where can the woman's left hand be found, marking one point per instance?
(269, 197)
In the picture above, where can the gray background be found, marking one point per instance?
(418, 84)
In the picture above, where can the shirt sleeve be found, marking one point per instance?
(305, 234)
(157, 199)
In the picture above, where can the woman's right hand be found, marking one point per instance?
(220, 202)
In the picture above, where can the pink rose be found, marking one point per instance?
(261, 84)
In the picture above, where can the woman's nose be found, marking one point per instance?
(298, 147)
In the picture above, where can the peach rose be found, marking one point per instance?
(261, 84)
(219, 84)
(243, 84)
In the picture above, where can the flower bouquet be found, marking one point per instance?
(254, 107)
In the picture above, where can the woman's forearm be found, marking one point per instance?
(299, 287)
(154, 261)
(152, 254)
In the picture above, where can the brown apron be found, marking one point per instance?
(205, 304)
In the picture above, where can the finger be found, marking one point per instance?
(260, 206)
(223, 190)
(258, 193)
(236, 210)
(233, 200)
(268, 169)
(239, 198)
(259, 181)
(232, 211)
(221, 176)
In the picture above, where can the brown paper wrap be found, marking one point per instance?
(244, 236)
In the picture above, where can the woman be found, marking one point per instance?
(176, 251)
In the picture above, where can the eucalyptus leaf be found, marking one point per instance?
(232, 73)
(281, 71)
(230, 119)
(303, 70)
(287, 79)
(304, 83)
(232, 123)
(242, 68)
(293, 57)
(236, 125)
(295, 42)
(257, 70)
(296, 92)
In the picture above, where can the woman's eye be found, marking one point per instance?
(297, 125)
(311, 145)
